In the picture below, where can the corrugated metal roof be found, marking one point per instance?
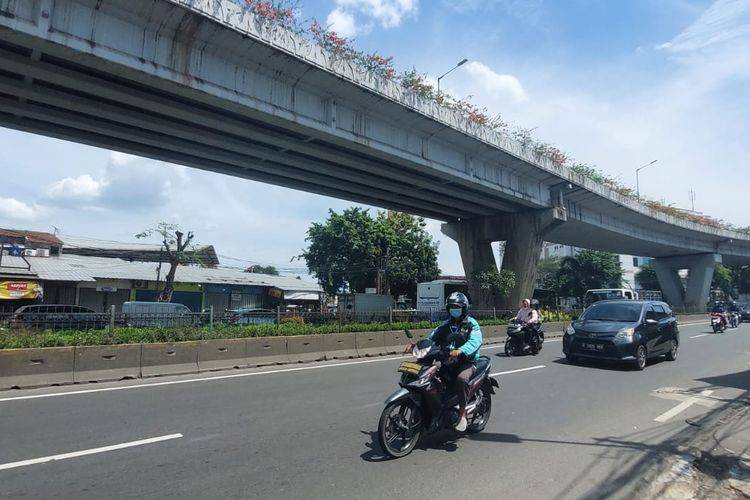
(32, 236)
(84, 268)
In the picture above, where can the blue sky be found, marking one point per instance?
(614, 83)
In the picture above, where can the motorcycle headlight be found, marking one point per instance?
(625, 335)
(570, 330)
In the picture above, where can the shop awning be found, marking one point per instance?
(17, 290)
(310, 296)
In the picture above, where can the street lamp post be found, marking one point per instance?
(637, 180)
(461, 63)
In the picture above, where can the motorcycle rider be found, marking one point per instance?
(466, 355)
(529, 317)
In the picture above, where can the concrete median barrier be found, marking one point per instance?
(396, 341)
(222, 354)
(494, 334)
(340, 346)
(169, 359)
(264, 351)
(305, 348)
(36, 367)
(109, 362)
(370, 344)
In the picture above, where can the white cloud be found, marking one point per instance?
(84, 188)
(118, 158)
(489, 81)
(342, 22)
(15, 210)
(387, 13)
(725, 21)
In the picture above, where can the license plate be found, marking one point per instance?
(593, 347)
(410, 368)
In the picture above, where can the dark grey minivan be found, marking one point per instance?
(623, 330)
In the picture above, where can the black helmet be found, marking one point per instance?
(535, 304)
(455, 300)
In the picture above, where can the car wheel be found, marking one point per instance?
(672, 354)
(640, 357)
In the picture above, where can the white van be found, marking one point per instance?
(142, 314)
(608, 294)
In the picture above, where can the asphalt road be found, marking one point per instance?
(557, 430)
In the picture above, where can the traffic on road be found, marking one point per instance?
(316, 431)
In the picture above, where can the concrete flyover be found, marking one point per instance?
(205, 84)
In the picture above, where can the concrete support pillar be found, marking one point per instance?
(523, 233)
(700, 275)
(476, 255)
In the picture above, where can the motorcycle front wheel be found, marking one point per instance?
(400, 428)
(510, 348)
(482, 413)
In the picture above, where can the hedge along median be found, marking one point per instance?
(10, 339)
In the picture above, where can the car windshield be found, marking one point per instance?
(615, 311)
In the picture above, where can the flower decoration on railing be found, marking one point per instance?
(285, 14)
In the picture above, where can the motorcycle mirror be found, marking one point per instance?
(408, 334)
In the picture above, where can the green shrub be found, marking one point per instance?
(14, 339)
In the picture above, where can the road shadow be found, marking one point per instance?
(603, 364)
(445, 440)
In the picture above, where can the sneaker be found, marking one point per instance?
(462, 424)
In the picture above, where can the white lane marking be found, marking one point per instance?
(682, 407)
(517, 371)
(698, 336)
(92, 451)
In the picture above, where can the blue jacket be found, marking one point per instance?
(473, 342)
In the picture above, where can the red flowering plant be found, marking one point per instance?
(284, 13)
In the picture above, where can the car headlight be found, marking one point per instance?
(570, 330)
(625, 335)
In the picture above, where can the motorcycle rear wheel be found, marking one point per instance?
(400, 428)
(510, 348)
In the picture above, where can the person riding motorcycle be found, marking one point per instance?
(528, 316)
(466, 354)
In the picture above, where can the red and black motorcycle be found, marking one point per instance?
(718, 322)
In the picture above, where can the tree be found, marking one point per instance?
(741, 278)
(174, 242)
(723, 279)
(352, 249)
(647, 279)
(496, 284)
(546, 274)
(264, 270)
(589, 269)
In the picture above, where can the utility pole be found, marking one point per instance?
(692, 199)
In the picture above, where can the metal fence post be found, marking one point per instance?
(112, 317)
(390, 315)
(494, 313)
(278, 315)
(211, 317)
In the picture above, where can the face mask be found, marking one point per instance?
(456, 313)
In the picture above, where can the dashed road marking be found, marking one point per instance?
(92, 451)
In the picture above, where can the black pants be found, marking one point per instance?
(460, 375)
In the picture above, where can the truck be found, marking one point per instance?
(431, 295)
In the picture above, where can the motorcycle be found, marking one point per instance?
(425, 405)
(734, 320)
(718, 322)
(524, 338)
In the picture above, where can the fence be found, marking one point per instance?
(77, 318)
